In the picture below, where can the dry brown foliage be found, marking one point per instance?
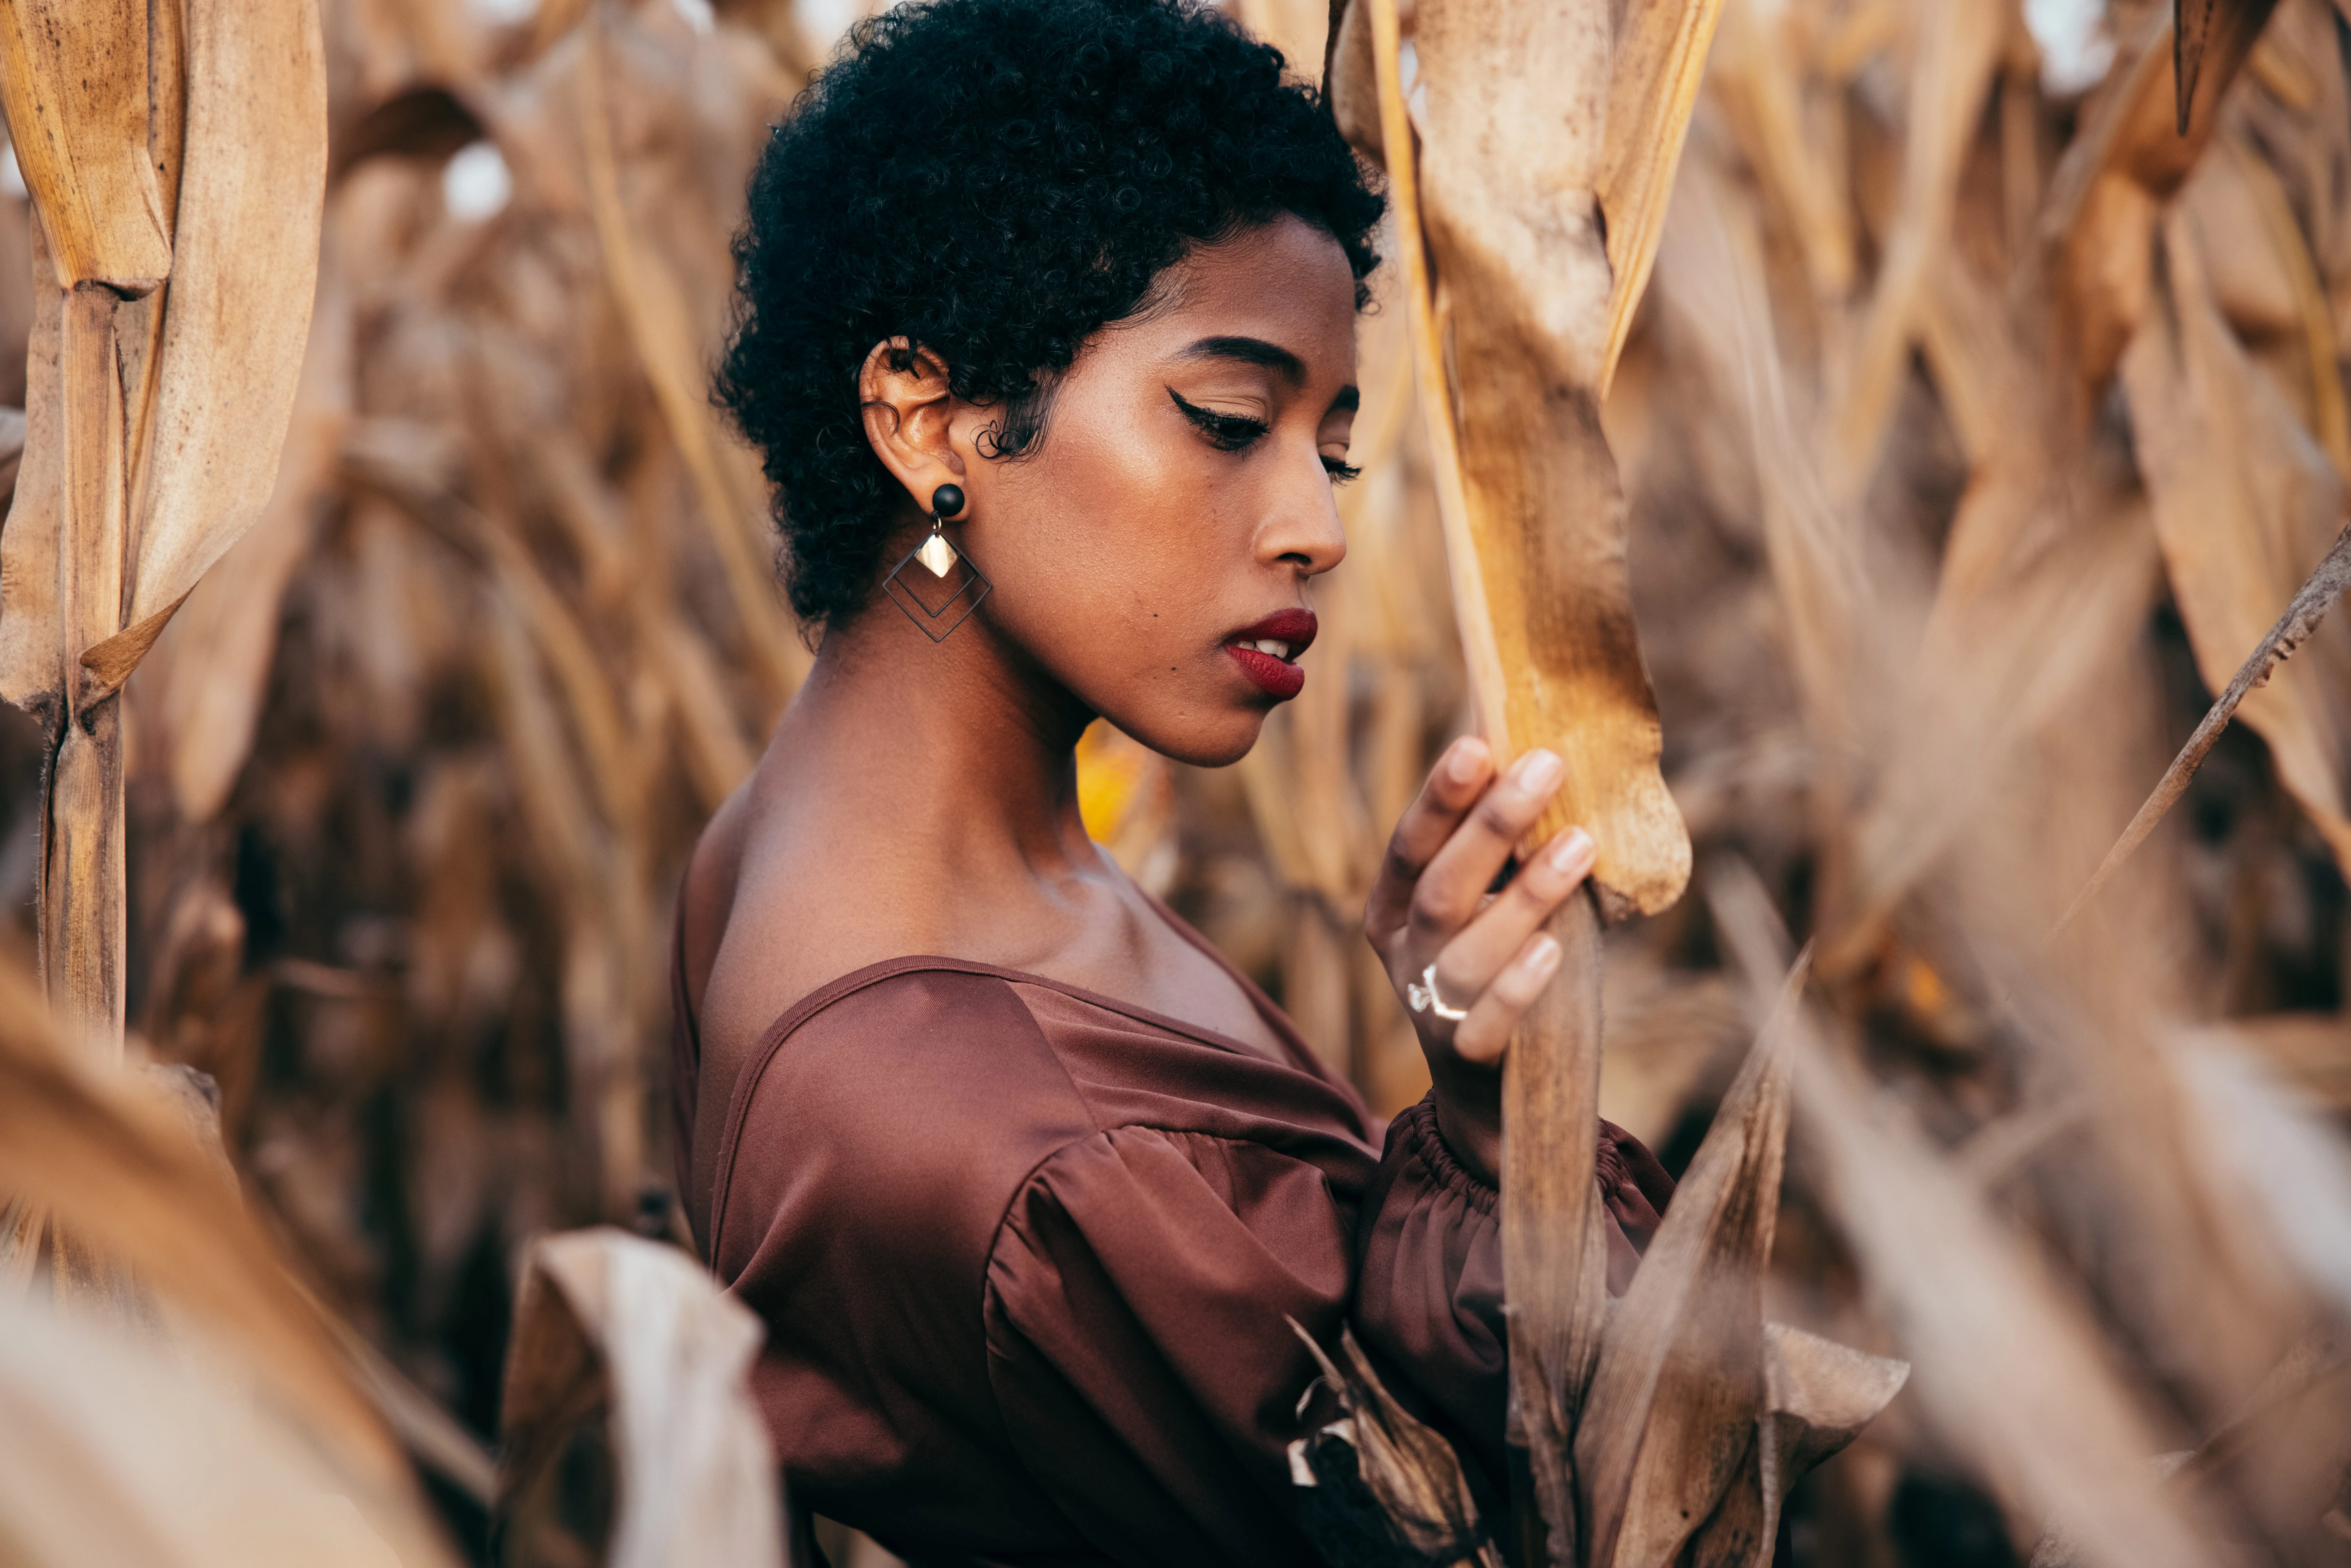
(1969, 434)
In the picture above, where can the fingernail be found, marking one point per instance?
(1462, 762)
(1572, 853)
(1539, 769)
(1543, 956)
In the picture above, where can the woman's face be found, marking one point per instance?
(1154, 553)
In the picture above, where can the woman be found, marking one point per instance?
(1047, 338)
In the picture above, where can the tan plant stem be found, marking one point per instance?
(1554, 1252)
(82, 869)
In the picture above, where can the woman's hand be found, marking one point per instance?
(1430, 919)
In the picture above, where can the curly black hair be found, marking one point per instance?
(997, 180)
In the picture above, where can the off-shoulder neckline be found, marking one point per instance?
(1302, 1055)
(746, 1081)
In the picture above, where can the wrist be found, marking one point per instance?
(1471, 1126)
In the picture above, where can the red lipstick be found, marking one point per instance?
(1267, 652)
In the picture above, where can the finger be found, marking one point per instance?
(1453, 787)
(1454, 882)
(1485, 1034)
(1478, 952)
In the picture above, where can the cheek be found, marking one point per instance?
(1122, 542)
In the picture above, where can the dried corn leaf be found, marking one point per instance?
(203, 1477)
(1953, 59)
(2007, 1362)
(1350, 83)
(2243, 501)
(202, 692)
(82, 912)
(1657, 57)
(1757, 69)
(2130, 157)
(251, 195)
(608, 939)
(2306, 313)
(609, 1323)
(1535, 529)
(1818, 1395)
(1670, 1421)
(2327, 583)
(29, 608)
(122, 1174)
(404, 468)
(73, 78)
(2002, 665)
(1296, 27)
(142, 330)
(1409, 1469)
(1987, 386)
(1716, 292)
(1534, 514)
(2278, 1148)
(659, 325)
(2221, 30)
(90, 562)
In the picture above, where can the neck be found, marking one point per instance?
(971, 745)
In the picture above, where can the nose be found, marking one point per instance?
(1302, 528)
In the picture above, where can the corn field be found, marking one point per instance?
(1982, 412)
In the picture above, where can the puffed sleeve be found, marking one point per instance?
(1428, 1288)
(1135, 1298)
(1136, 1293)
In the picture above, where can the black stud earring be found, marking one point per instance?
(948, 577)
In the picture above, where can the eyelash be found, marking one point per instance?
(1234, 432)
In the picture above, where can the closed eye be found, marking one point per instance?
(1226, 432)
(1340, 471)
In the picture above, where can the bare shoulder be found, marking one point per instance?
(783, 897)
(800, 880)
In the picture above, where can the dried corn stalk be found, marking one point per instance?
(1530, 176)
(154, 414)
(426, 794)
(1516, 279)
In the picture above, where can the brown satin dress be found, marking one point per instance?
(1024, 1253)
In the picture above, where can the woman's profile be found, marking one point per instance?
(1047, 338)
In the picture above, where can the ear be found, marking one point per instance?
(908, 410)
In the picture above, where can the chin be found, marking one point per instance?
(1201, 742)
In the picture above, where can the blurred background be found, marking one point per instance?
(1967, 460)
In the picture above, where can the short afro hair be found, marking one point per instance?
(997, 180)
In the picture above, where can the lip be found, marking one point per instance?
(1279, 679)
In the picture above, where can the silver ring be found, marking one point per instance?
(1425, 999)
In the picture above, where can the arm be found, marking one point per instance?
(1137, 1351)
(1136, 1343)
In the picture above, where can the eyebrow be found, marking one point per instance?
(1268, 356)
(1251, 352)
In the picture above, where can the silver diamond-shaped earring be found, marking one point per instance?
(946, 577)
